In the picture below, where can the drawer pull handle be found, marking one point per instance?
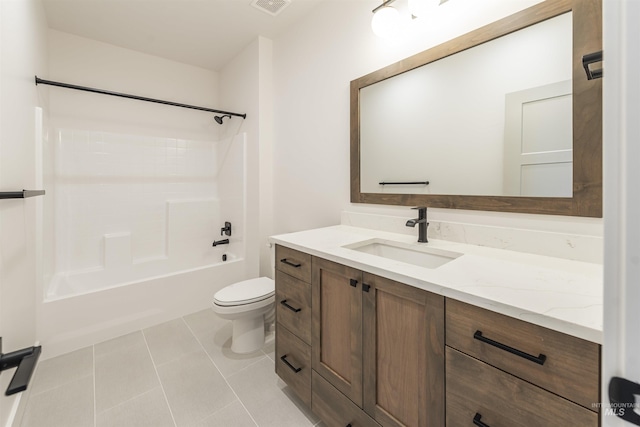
(292, 264)
(286, 362)
(353, 282)
(295, 310)
(476, 421)
(349, 425)
(537, 359)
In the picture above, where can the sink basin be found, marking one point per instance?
(421, 256)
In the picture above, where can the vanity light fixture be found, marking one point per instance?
(387, 20)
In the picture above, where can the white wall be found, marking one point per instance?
(246, 87)
(22, 54)
(85, 62)
(313, 65)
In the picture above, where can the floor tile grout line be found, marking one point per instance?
(221, 374)
(155, 368)
(217, 411)
(35, 378)
(66, 383)
(131, 398)
(249, 366)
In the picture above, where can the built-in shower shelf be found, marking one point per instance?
(20, 194)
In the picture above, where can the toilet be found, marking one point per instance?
(246, 303)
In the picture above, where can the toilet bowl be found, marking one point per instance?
(246, 303)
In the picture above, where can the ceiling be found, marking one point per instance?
(204, 33)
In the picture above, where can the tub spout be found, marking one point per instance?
(221, 242)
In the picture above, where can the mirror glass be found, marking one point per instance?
(492, 120)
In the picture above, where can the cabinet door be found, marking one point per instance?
(403, 354)
(337, 326)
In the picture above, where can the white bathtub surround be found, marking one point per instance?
(555, 293)
(135, 249)
(573, 244)
(130, 207)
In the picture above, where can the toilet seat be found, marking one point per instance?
(245, 292)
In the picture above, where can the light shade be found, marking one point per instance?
(386, 22)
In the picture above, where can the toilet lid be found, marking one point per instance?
(245, 292)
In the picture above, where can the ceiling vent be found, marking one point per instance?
(272, 7)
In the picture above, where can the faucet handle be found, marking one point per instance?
(226, 229)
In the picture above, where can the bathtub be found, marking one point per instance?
(75, 320)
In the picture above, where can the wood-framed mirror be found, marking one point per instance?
(584, 186)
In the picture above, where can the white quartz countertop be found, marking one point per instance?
(555, 293)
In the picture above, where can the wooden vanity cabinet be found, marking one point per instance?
(366, 351)
(378, 343)
(509, 372)
(293, 320)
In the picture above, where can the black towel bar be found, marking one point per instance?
(405, 183)
(20, 194)
(25, 360)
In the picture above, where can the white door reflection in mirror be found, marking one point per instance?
(538, 142)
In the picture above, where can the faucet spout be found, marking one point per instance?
(422, 224)
(221, 242)
(416, 221)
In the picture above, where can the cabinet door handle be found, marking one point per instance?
(295, 310)
(476, 421)
(292, 264)
(286, 362)
(348, 425)
(353, 282)
(536, 359)
(366, 287)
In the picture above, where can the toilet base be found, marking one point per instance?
(248, 335)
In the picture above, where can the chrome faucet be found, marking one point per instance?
(422, 224)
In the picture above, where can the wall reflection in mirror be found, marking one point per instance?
(495, 120)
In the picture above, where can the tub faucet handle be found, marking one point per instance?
(226, 229)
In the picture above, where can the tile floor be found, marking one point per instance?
(179, 373)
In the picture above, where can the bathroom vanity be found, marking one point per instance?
(481, 336)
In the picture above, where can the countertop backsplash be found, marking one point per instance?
(569, 246)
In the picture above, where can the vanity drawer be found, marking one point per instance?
(562, 364)
(294, 263)
(475, 389)
(334, 408)
(293, 363)
(293, 305)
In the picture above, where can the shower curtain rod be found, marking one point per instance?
(139, 98)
